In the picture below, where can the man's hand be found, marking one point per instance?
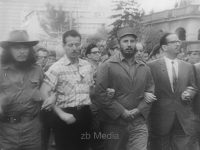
(130, 114)
(186, 96)
(110, 92)
(149, 97)
(126, 114)
(49, 102)
(68, 118)
(134, 112)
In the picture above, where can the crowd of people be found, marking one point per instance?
(120, 99)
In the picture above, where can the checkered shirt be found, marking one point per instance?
(71, 82)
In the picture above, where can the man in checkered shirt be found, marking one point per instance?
(70, 79)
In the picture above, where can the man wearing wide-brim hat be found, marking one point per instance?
(20, 98)
(124, 116)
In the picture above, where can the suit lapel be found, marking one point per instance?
(164, 73)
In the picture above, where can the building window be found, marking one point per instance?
(199, 34)
(181, 33)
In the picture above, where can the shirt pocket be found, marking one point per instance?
(35, 83)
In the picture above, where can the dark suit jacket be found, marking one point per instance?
(169, 103)
(197, 97)
(129, 90)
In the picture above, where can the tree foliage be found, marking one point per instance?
(127, 13)
(100, 35)
(151, 38)
(56, 21)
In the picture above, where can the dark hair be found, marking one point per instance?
(89, 48)
(7, 58)
(155, 50)
(163, 39)
(72, 33)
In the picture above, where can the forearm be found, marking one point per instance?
(45, 91)
(144, 108)
(48, 95)
(59, 111)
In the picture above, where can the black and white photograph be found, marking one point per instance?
(100, 75)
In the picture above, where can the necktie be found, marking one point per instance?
(174, 77)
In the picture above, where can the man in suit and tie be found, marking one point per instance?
(173, 124)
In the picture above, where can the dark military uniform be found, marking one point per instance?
(21, 102)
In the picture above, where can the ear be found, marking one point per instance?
(164, 47)
(88, 56)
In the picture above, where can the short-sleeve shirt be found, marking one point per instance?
(70, 82)
(21, 97)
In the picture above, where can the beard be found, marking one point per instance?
(130, 53)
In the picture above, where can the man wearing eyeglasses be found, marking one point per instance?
(172, 119)
(93, 55)
(70, 78)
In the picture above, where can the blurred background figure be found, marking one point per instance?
(145, 57)
(104, 53)
(194, 53)
(42, 56)
(45, 60)
(140, 51)
(93, 55)
(51, 59)
(112, 48)
(141, 54)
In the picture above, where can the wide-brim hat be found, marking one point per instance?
(126, 31)
(18, 37)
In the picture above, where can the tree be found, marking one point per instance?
(56, 21)
(127, 14)
(100, 35)
(151, 38)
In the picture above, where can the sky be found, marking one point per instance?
(156, 5)
(147, 5)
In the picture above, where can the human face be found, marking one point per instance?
(42, 58)
(140, 52)
(19, 52)
(72, 47)
(145, 57)
(128, 46)
(194, 57)
(172, 48)
(95, 54)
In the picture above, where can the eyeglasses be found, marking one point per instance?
(96, 52)
(174, 42)
(73, 44)
(42, 57)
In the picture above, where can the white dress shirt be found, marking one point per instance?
(168, 63)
